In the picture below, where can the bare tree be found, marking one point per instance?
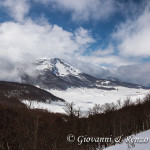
(97, 109)
(69, 109)
(78, 112)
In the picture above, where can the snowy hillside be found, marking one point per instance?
(136, 146)
(86, 98)
(58, 66)
(56, 107)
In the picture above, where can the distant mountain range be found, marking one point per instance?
(59, 74)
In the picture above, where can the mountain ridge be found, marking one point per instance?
(58, 74)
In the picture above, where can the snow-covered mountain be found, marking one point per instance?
(57, 66)
(58, 74)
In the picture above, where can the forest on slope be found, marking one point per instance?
(22, 128)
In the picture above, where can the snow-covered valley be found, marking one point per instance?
(85, 98)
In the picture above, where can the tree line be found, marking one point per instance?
(25, 129)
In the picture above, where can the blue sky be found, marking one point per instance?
(100, 37)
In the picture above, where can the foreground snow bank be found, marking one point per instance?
(136, 146)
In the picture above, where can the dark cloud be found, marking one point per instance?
(139, 73)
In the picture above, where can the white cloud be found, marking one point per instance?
(8, 70)
(134, 35)
(17, 8)
(110, 60)
(82, 36)
(84, 10)
(23, 42)
(103, 52)
(31, 39)
(26, 40)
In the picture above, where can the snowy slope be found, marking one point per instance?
(56, 107)
(86, 98)
(58, 66)
(138, 146)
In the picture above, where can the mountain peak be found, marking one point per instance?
(56, 59)
(58, 66)
(58, 74)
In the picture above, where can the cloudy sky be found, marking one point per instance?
(100, 37)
